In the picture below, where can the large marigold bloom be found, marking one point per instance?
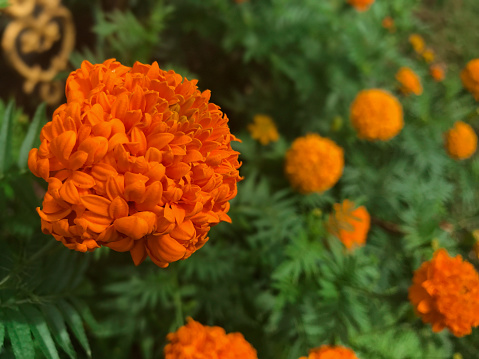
(263, 129)
(331, 352)
(376, 115)
(470, 78)
(137, 160)
(409, 81)
(350, 224)
(361, 5)
(314, 163)
(445, 293)
(197, 341)
(460, 141)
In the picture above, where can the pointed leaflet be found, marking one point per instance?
(31, 136)
(18, 331)
(75, 323)
(6, 139)
(57, 326)
(40, 331)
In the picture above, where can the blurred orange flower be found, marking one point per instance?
(314, 163)
(263, 129)
(470, 77)
(137, 160)
(428, 55)
(197, 341)
(437, 72)
(461, 141)
(445, 293)
(417, 43)
(331, 352)
(388, 23)
(376, 115)
(350, 224)
(409, 80)
(361, 5)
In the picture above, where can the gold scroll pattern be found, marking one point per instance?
(38, 26)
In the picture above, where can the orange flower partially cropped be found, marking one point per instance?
(461, 141)
(331, 352)
(361, 5)
(445, 293)
(376, 115)
(437, 72)
(197, 341)
(137, 160)
(314, 163)
(388, 23)
(417, 43)
(470, 78)
(350, 224)
(263, 129)
(409, 80)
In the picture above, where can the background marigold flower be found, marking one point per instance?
(470, 78)
(409, 80)
(437, 72)
(417, 43)
(361, 5)
(350, 224)
(388, 23)
(137, 160)
(461, 141)
(445, 293)
(331, 352)
(314, 163)
(428, 55)
(263, 129)
(197, 341)
(376, 115)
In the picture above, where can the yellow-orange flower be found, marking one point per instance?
(409, 80)
(437, 72)
(388, 23)
(428, 55)
(314, 163)
(197, 341)
(445, 293)
(470, 78)
(376, 115)
(350, 224)
(137, 160)
(331, 352)
(417, 43)
(461, 141)
(361, 5)
(263, 129)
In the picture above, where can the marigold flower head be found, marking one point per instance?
(461, 141)
(388, 23)
(314, 163)
(417, 43)
(350, 224)
(361, 5)
(331, 352)
(470, 78)
(376, 115)
(197, 341)
(263, 129)
(438, 72)
(428, 55)
(445, 293)
(137, 160)
(409, 80)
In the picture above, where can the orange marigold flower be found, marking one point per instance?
(428, 55)
(361, 5)
(263, 129)
(137, 160)
(470, 78)
(388, 23)
(437, 72)
(461, 141)
(376, 115)
(197, 341)
(445, 293)
(409, 80)
(350, 224)
(331, 352)
(314, 163)
(417, 43)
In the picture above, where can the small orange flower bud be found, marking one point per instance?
(263, 129)
(361, 5)
(409, 81)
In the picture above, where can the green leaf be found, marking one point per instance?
(57, 326)
(18, 331)
(3, 4)
(2, 335)
(75, 323)
(6, 139)
(40, 331)
(31, 136)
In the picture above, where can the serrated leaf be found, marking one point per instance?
(57, 326)
(40, 331)
(31, 136)
(6, 138)
(75, 323)
(18, 331)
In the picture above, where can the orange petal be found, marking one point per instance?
(43, 168)
(138, 252)
(165, 248)
(103, 171)
(82, 180)
(184, 232)
(178, 170)
(77, 160)
(118, 208)
(69, 193)
(32, 161)
(95, 222)
(160, 140)
(135, 192)
(52, 217)
(123, 244)
(120, 106)
(96, 204)
(62, 146)
(132, 226)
